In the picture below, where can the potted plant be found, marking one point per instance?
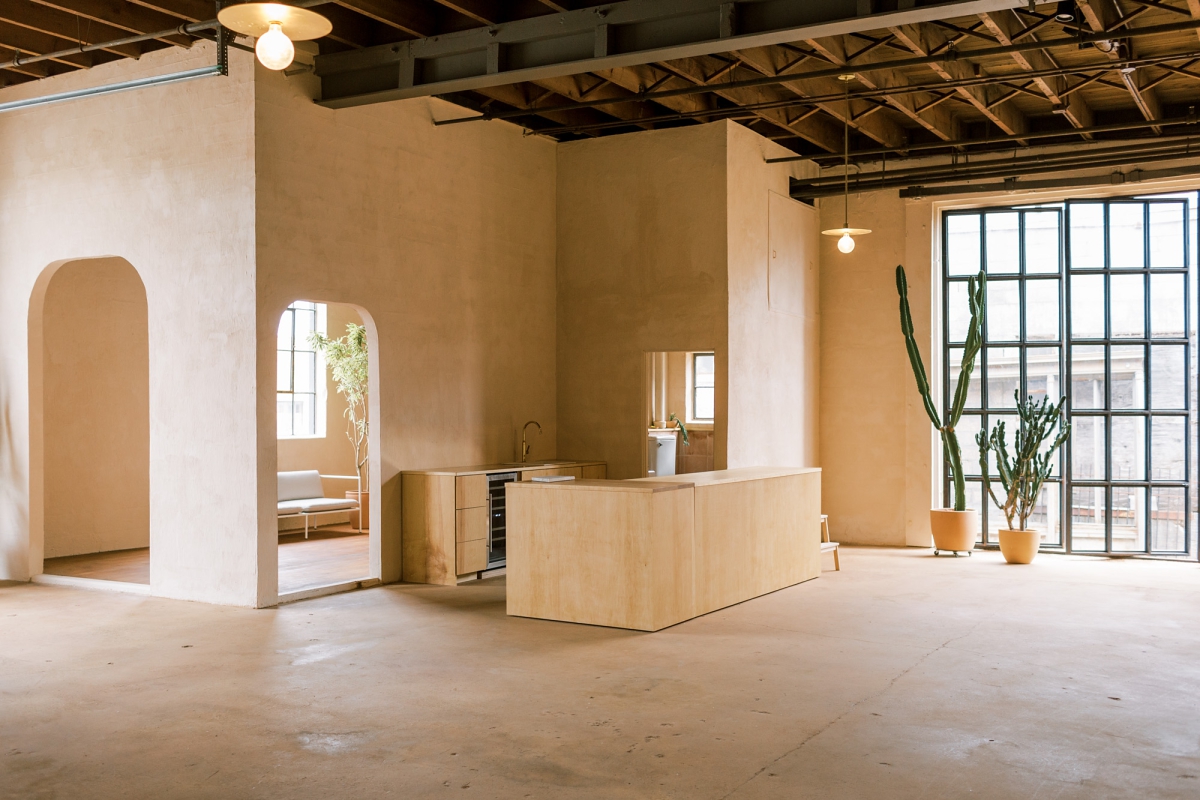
(954, 529)
(1023, 473)
(347, 359)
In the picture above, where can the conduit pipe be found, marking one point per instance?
(110, 88)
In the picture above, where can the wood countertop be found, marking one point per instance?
(643, 485)
(731, 475)
(483, 469)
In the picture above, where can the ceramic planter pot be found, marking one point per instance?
(953, 531)
(1019, 547)
(364, 508)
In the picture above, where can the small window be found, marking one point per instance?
(701, 389)
(300, 399)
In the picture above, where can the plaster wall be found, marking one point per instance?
(164, 178)
(774, 346)
(443, 240)
(96, 405)
(642, 252)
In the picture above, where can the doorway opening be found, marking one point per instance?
(322, 391)
(681, 409)
(90, 432)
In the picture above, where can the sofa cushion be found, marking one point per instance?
(314, 504)
(300, 485)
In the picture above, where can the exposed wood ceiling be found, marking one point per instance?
(1008, 72)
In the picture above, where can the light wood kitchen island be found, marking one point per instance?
(646, 554)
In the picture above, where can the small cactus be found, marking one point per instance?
(1023, 473)
(977, 296)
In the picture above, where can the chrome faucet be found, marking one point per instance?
(525, 444)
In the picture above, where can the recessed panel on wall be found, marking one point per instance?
(792, 256)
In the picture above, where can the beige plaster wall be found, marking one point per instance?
(164, 178)
(96, 407)
(642, 251)
(774, 352)
(443, 240)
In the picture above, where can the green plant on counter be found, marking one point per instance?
(976, 296)
(1023, 473)
(347, 360)
(682, 428)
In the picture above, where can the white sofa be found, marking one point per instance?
(301, 494)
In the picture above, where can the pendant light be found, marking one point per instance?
(846, 233)
(275, 26)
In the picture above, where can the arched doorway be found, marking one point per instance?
(90, 420)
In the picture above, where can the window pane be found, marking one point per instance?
(1012, 424)
(1167, 305)
(967, 428)
(1042, 241)
(284, 336)
(1168, 446)
(1041, 310)
(1003, 243)
(304, 418)
(1126, 236)
(958, 310)
(1087, 236)
(1128, 304)
(1087, 376)
(1004, 376)
(306, 372)
(1046, 516)
(1003, 311)
(1087, 306)
(1128, 371)
(704, 370)
(1042, 373)
(1168, 376)
(1166, 235)
(1168, 520)
(973, 388)
(1088, 517)
(306, 323)
(1087, 448)
(704, 403)
(283, 371)
(1128, 448)
(283, 415)
(962, 244)
(1129, 519)
(974, 502)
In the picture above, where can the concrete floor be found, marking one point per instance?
(903, 676)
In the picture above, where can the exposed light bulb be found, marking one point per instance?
(846, 244)
(274, 49)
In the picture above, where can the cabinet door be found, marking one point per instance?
(470, 491)
(471, 556)
(470, 524)
(595, 472)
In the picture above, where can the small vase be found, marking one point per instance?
(1019, 547)
(953, 531)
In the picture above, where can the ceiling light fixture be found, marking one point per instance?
(275, 26)
(846, 243)
(1065, 12)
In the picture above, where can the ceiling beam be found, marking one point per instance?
(1194, 9)
(1103, 16)
(646, 77)
(923, 40)
(486, 12)
(30, 42)
(53, 22)
(190, 10)
(120, 14)
(413, 18)
(580, 87)
(619, 34)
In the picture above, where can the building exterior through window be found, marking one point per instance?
(1092, 299)
(300, 396)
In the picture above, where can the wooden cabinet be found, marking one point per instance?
(594, 472)
(445, 519)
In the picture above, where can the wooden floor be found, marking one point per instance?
(329, 555)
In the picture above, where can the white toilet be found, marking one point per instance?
(660, 453)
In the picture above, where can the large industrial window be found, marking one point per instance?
(1088, 299)
(299, 399)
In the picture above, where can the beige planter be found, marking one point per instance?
(1019, 547)
(364, 508)
(953, 531)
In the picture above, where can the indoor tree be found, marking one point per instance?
(347, 359)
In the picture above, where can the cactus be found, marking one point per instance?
(1023, 473)
(976, 294)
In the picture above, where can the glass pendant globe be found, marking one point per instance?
(274, 49)
(846, 244)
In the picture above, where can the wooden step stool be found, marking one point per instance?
(826, 545)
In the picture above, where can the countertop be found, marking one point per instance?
(479, 469)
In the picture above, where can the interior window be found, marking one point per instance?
(702, 391)
(300, 405)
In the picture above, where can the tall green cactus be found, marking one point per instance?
(1023, 473)
(977, 296)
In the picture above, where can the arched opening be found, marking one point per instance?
(323, 392)
(90, 419)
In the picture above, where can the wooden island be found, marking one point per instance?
(649, 553)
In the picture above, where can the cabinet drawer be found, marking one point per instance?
(470, 491)
(530, 474)
(471, 556)
(470, 524)
(595, 472)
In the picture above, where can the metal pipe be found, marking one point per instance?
(139, 83)
(1137, 176)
